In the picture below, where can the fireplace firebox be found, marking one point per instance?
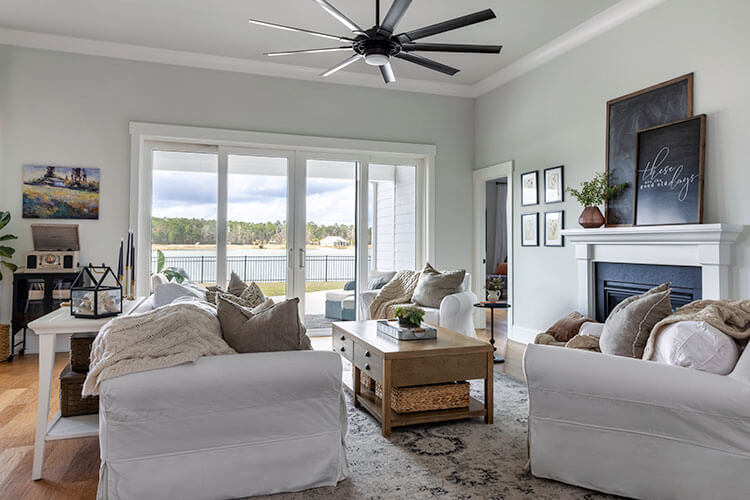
(617, 281)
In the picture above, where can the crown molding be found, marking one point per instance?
(142, 53)
(601, 23)
(588, 30)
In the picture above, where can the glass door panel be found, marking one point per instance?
(329, 256)
(183, 213)
(257, 221)
(393, 217)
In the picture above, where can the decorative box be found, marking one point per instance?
(96, 293)
(71, 402)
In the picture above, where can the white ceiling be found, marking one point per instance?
(220, 28)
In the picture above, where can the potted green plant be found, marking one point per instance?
(410, 316)
(495, 286)
(592, 194)
(6, 252)
(172, 273)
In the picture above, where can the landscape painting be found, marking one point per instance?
(60, 192)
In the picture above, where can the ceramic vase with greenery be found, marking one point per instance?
(6, 253)
(592, 194)
(410, 317)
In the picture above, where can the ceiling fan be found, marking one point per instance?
(378, 44)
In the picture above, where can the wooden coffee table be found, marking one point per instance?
(448, 358)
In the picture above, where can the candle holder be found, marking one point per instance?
(93, 295)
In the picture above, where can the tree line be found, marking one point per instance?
(184, 231)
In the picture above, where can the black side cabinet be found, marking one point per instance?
(34, 295)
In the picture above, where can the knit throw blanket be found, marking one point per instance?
(396, 292)
(729, 316)
(177, 333)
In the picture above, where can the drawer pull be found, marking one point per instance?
(367, 366)
(343, 349)
(367, 354)
(342, 338)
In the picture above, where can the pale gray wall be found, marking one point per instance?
(68, 109)
(557, 115)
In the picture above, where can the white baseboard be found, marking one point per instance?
(522, 334)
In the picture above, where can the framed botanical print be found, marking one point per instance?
(553, 184)
(530, 230)
(553, 226)
(529, 188)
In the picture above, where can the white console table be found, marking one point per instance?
(47, 328)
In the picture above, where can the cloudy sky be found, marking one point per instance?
(252, 198)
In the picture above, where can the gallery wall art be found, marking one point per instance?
(51, 192)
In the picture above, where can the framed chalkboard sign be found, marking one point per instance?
(669, 175)
(657, 105)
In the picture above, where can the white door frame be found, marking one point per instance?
(481, 176)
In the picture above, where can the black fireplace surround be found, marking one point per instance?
(616, 281)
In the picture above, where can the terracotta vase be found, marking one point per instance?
(591, 218)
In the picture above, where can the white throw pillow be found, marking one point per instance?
(591, 328)
(698, 345)
(169, 292)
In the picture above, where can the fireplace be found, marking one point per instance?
(616, 281)
(695, 258)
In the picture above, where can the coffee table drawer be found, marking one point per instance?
(370, 362)
(343, 346)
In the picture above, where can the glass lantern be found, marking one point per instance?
(96, 293)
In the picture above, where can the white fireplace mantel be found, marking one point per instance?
(708, 246)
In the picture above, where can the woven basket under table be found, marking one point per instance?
(71, 402)
(423, 397)
(80, 351)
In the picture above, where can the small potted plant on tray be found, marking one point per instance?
(410, 316)
(592, 194)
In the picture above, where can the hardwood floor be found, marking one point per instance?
(71, 467)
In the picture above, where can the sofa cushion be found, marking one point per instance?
(276, 328)
(433, 286)
(698, 345)
(742, 368)
(627, 328)
(566, 328)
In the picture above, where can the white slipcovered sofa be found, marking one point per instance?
(638, 428)
(455, 311)
(224, 427)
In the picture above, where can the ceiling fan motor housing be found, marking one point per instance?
(376, 50)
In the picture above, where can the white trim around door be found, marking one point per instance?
(481, 176)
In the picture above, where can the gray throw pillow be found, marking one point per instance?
(275, 328)
(236, 285)
(433, 286)
(627, 328)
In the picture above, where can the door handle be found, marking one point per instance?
(301, 258)
(290, 259)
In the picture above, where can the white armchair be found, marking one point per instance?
(455, 311)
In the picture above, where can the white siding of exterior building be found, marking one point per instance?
(396, 221)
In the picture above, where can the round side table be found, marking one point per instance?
(492, 306)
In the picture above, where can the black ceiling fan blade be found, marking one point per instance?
(300, 30)
(339, 16)
(427, 63)
(387, 71)
(452, 47)
(452, 24)
(393, 17)
(309, 51)
(342, 65)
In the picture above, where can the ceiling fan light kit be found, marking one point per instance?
(379, 44)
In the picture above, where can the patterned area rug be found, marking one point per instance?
(466, 459)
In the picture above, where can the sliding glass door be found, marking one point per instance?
(300, 224)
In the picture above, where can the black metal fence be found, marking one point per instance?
(264, 268)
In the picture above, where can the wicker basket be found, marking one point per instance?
(71, 402)
(423, 397)
(4, 342)
(80, 351)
